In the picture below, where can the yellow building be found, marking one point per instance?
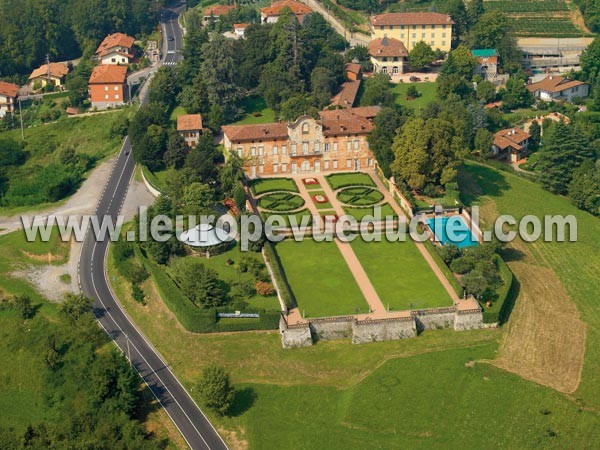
(54, 73)
(433, 28)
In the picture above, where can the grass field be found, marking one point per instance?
(256, 111)
(90, 136)
(320, 279)
(426, 89)
(339, 180)
(264, 185)
(360, 213)
(400, 275)
(556, 317)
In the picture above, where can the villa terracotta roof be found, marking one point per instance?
(387, 47)
(345, 121)
(189, 122)
(240, 26)
(114, 40)
(57, 70)
(108, 74)
(8, 89)
(416, 18)
(256, 132)
(299, 9)
(554, 83)
(347, 95)
(511, 137)
(354, 68)
(218, 10)
(367, 112)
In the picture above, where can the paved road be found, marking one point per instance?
(172, 36)
(181, 408)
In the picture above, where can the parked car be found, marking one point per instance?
(414, 79)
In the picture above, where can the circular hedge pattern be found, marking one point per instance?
(281, 201)
(360, 196)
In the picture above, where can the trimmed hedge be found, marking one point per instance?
(501, 307)
(284, 287)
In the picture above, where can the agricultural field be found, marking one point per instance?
(543, 18)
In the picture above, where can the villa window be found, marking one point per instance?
(395, 70)
(356, 145)
(116, 88)
(275, 150)
(335, 164)
(335, 146)
(423, 35)
(432, 43)
(284, 167)
(284, 149)
(414, 35)
(391, 27)
(384, 69)
(261, 151)
(432, 35)
(327, 146)
(326, 165)
(443, 43)
(348, 145)
(369, 162)
(275, 168)
(348, 163)
(381, 27)
(402, 27)
(444, 27)
(443, 35)
(261, 169)
(116, 96)
(253, 151)
(402, 36)
(305, 128)
(317, 147)
(305, 148)
(414, 27)
(106, 88)
(294, 148)
(240, 151)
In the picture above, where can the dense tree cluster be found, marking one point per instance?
(30, 29)
(591, 13)
(90, 393)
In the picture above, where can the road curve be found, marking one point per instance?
(181, 408)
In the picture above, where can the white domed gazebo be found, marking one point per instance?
(205, 236)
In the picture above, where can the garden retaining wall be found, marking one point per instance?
(364, 331)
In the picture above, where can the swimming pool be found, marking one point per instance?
(452, 230)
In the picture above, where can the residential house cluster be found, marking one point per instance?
(337, 141)
(108, 81)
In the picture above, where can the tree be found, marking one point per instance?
(197, 199)
(596, 93)
(475, 10)
(232, 173)
(584, 189)
(590, 61)
(486, 91)
(421, 56)
(323, 83)
(199, 284)
(475, 283)
(425, 153)
(483, 141)
(455, 74)
(457, 10)
(535, 132)
(75, 307)
(163, 89)
(294, 107)
(361, 55)
(215, 389)
(378, 91)
(24, 306)
(412, 91)
(387, 123)
(516, 94)
(176, 151)
(202, 162)
(564, 150)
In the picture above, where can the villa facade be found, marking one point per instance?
(337, 141)
(410, 28)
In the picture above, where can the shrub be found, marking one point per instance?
(122, 250)
(462, 265)
(242, 290)
(448, 253)
(132, 272)
(265, 288)
(215, 389)
(138, 294)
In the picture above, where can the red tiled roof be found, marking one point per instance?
(57, 70)
(299, 9)
(511, 137)
(344, 122)
(115, 40)
(416, 18)
(189, 122)
(388, 47)
(108, 74)
(368, 112)
(240, 26)
(347, 94)
(218, 10)
(554, 83)
(8, 89)
(255, 132)
(354, 68)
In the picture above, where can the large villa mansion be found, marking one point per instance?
(337, 141)
(410, 28)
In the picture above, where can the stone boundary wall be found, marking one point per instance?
(364, 331)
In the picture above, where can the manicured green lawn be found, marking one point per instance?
(177, 111)
(340, 180)
(426, 89)
(263, 185)
(288, 218)
(359, 213)
(281, 201)
(158, 180)
(320, 279)
(256, 111)
(400, 275)
(312, 187)
(359, 196)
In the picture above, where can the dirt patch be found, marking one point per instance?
(577, 17)
(48, 257)
(46, 279)
(545, 338)
(235, 439)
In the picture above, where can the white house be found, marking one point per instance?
(8, 97)
(554, 87)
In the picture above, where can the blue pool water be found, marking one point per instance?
(452, 230)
